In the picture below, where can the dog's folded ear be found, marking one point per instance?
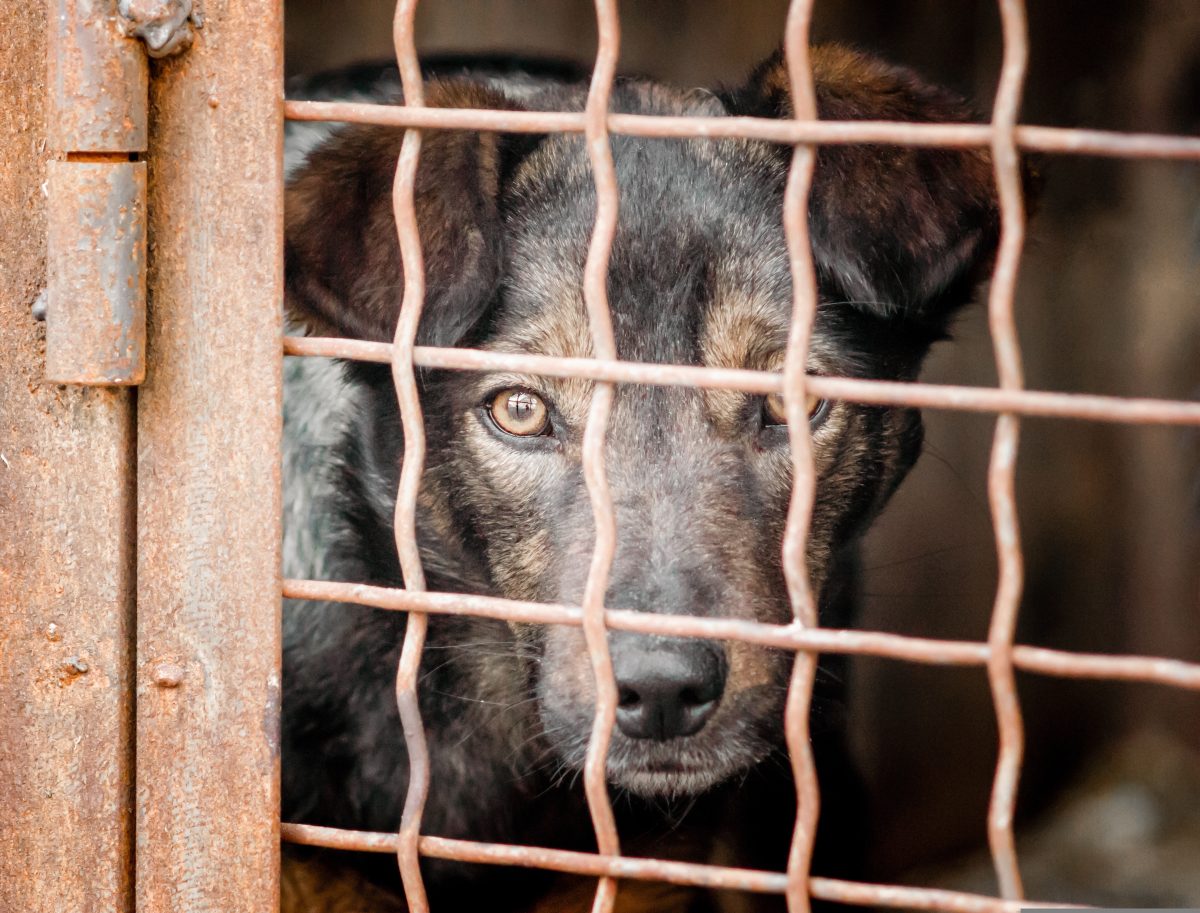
(900, 232)
(343, 267)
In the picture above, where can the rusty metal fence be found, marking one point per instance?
(999, 655)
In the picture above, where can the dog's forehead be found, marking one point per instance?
(677, 304)
(698, 270)
(699, 235)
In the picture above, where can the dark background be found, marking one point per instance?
(1108, 303)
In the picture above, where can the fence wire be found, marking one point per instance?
(999, 655)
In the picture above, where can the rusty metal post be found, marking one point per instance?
(209, 505)
(66, 556)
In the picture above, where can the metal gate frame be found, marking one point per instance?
(166, 498)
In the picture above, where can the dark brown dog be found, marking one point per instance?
(700, 479)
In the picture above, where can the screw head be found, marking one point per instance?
(168, 675)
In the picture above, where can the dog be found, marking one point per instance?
(700, 479)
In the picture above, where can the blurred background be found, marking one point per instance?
(1109, 303)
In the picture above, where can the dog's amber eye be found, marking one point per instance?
(519, 412)
(775, 414)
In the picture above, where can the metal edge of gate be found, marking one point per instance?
(208, 512)
(66, 503)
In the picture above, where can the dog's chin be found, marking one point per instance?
(672, 769)
(667, 782)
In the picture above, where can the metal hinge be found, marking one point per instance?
(95, 298)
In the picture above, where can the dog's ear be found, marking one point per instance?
(343, 269)
(897, 231)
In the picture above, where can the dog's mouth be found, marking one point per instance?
(673, 768)
(668, 781)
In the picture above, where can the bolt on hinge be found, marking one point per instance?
(164, 25)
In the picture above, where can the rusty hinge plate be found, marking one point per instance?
(98, 80)
(95, 298)
(96, 287)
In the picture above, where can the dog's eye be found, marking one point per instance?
(519, 412)
(775, 414)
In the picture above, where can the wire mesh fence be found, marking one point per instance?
(999, 655)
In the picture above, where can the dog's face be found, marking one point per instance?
(700, 479)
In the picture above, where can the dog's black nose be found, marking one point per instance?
(666, 688)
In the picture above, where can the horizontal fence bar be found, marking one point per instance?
(1064, 140)
(1040, 660)
(1084, 406)
(671, 872)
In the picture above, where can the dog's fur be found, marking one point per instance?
(700, 479)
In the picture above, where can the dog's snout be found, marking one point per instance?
(666, 689)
